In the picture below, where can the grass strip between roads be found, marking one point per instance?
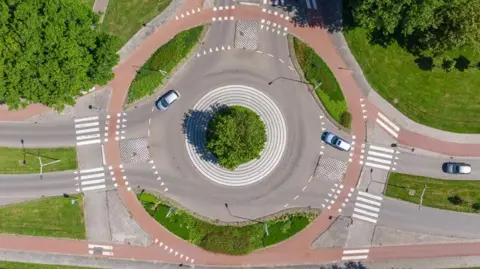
(50, 217)
(438, 194)
(235, 240)
(11, 160)
(124, 18)
(166, 58)
(21, 265)
(437, 98)
(316, 71)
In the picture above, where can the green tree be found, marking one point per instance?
(50, 51)
(427, 27)
(235, 136)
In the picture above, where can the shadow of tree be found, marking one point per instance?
(425, 63)
(195, 127)
(462, 63)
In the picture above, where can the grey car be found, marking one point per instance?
(167, 99)
(336, 142)
(456, 168)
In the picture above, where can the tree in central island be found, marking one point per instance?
(235, 135)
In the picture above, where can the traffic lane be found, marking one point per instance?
(61, 133)
(431, 166)
(406, 216)
(32, 187)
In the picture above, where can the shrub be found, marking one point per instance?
(448, 64)
(476, 206)
(346, 119)
(456, 200)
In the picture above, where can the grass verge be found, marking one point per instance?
(315, 71)
(21, 265)
(437, 98)
(12, 159)
(124, 18)
(51, 217)
(235, 240)
(438, 194)
(166, 58)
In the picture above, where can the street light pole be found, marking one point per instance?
(257, 221)
(42, 165)
(421, 197)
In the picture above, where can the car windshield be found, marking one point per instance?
(164, 102)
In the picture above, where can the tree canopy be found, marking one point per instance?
(235, 135)
(51, 51)
(428, 27)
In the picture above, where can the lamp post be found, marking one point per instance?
(257, 221)
(395, 145)
(300, 81)
(94, 107)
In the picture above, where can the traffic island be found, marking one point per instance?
(237, 239)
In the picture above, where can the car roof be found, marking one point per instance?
(343, 144)
(464, 168)
(170, 96)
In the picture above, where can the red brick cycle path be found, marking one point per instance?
(293, 251)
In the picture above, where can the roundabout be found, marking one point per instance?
(235, 95)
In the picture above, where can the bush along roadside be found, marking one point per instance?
(316, 71)
(228, 239)
(152, 74)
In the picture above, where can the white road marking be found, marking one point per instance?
(83, 125)
(364, 218)
(90, 130)
(100, 246)
(84, 171)
(368, 201)
(380, 198)
(359, 257)
(378, 154)
(84, 137)
(94, 188)
(92, 176)
(356, 251)
(86, 119)
(88, 142)
(374, 165)
(91, 182)
(382, 149)
(388, 121)
(378, 160)
(361, 211)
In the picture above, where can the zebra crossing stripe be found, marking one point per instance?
(86, 119)
(94, 188)
(84, 171)
(364, 218)
(382, 149)
(361, 211)
(88, 142)
(378, 154)
(91, 182)
(376, 209)
(380, 198)
(90, 130)
(84, 137)
(368, 201)
(378, 160)
(377, 165)
(83, 125)
(92, 176)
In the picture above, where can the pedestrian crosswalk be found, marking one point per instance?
(105, 250)
(387, 125)
(87, 131)
(355, 254)
(90, 179)
(367, 207)
(379, 157)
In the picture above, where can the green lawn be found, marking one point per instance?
(315, 71)
(88, 3)
(437, 193)
(11, 160)
(21, 265)
(125, 17)
(166, 58)
(51, 217)
(444, 100)
(224, 239)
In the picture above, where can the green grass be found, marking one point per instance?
(21, 265)
(125, 17)
(88, 3)
(51, 217)
(437, 193)
(11, 158)
(166, 58)
(315, 71)
(444, 100)
(233, 240)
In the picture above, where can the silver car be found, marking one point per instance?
(167, 99)
(456, 168)
(336, 142)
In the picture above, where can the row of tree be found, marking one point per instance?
(51, 51)
(424, 27)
